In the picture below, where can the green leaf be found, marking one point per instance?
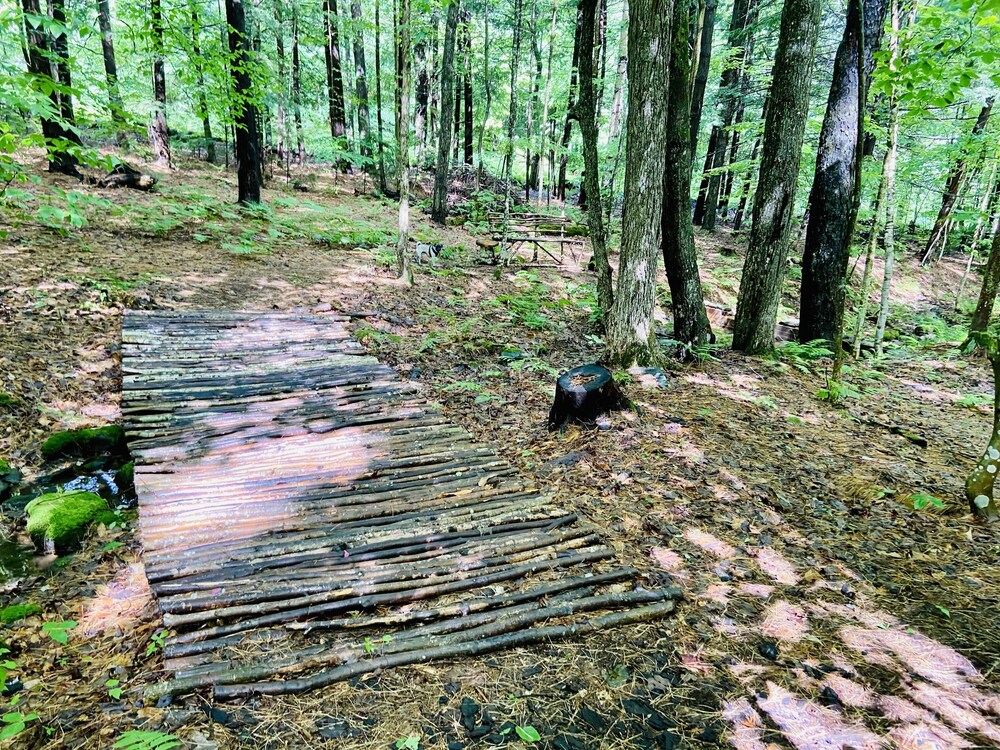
(137, 740)
(528, 734)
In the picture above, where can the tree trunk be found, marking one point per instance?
(281, 145)
(980, 485)
(361, 79)
(615, 119)
(60, 63)
(247, 141)
(297, 85)
(421, 94)
(586, 115)
(115, 106)
(159, 137)
(729, 93)
(567, 133)
(488, 90)
(382, 182)
(334, 76)
(836, 185)
(631, 335)
(467, 57)
(532, 110)
(954, 185)
(679, 257)
(983, 220)
(988, 294)
(38, 54)
(545, 125)
(199, 64)
(710, 155)
(774, 201)
(859, 327)
(439, 205)
(515, 64)
(700, 82)
(403, 21)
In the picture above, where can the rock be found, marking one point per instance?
(9, 479)
(768, 649)
(58, 520)
(85, 443)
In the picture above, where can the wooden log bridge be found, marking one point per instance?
(307, 517)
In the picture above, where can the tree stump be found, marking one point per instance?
(583, 394)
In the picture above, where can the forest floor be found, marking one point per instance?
(822, 608)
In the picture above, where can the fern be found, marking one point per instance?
(137, 740)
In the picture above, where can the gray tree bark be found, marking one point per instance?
(774, 201)
(439, 205)
(836, 188)
(631, 336)
(679, 257)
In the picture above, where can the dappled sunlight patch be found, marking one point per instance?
(809, 726)
(962, 709)
(695, 663)
(725, 625)
(849, 692)
(873, 618)
(927, 737)
(669, 560)
(717, 592)
(746, 673)
(730, 390)
(118, 606)
(922, 655)
(785, 622)
(776, 566)
(710, 543)
(759, 590)
(746, 725)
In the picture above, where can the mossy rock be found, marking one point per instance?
(125, 478)
(16, 612)
(86, 442)
(60, 519)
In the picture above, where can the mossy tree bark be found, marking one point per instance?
(586, 115)
(631, 338)
(836, 189)
(679, 257)
(439, 205)
(774, 201)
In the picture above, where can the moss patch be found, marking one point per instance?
(7, 400)
(62, 517)
(86, 442)
(16, 612)
(125, 477)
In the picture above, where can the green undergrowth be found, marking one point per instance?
(60, 519)
(16, 612)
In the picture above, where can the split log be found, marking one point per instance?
(583, 394)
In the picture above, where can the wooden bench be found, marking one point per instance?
(540, 231)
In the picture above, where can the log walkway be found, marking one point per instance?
(307, 517)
